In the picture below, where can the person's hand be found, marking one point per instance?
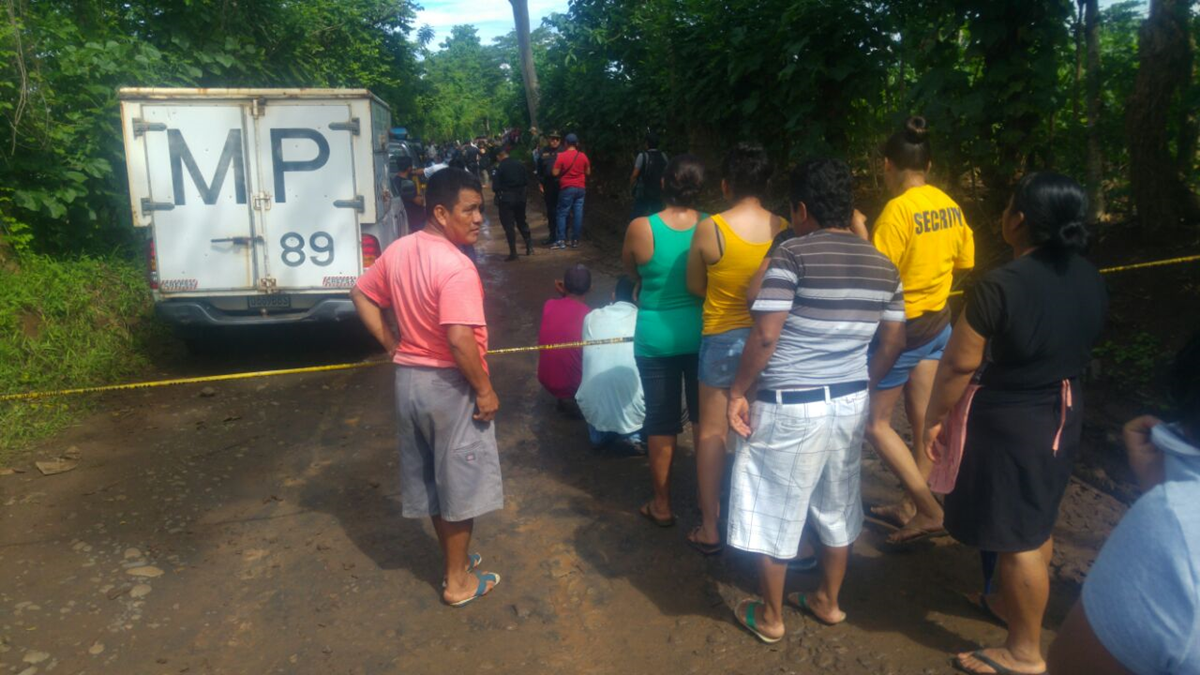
(541, 188)
(486, 405)
(1145, 459)
(739, 415)
(930, 443)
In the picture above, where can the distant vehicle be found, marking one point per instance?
(263, 205)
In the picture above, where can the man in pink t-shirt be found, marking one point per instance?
(561, 370)
(445, 404)
(572, 168)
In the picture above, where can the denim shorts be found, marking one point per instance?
(720, 355)
(930, 351)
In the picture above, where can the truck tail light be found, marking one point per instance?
(151, 265)
(370, 250)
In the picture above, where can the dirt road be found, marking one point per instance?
(258, 530)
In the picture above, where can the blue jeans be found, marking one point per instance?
(599, 438)
(570, 200)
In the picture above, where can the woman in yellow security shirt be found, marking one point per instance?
(925, 235)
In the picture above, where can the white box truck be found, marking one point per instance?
(263, 205)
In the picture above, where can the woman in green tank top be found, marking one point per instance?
(669, 321)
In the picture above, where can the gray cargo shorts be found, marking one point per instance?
(449, 464)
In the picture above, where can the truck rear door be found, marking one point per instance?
(195, 190)
(305, 160)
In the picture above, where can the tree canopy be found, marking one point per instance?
(1003, 84)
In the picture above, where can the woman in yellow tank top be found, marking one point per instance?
(726, 251)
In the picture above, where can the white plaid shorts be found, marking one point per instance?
(802, 460)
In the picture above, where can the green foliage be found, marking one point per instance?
(468, 89)
(67, 323)
(1130, 363)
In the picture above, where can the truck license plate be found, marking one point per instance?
(269, 301)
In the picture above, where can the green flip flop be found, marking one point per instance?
(746, 619)
(800, 601)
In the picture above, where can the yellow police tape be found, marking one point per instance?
(29, 396)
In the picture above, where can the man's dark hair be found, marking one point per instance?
(403, 163)
(826, 189)
(624, 292)
(444, 186)
(1185, 386)
(651, 140)
(577, 280)
(683, 180)
(747, 169)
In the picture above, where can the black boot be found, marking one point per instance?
(528, 246)
(512, 254)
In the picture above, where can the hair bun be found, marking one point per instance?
(1073, 236)
(916, 129)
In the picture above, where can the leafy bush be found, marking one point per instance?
(67, 323)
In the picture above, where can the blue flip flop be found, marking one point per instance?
(473, 561)
(482, 589)
(746, 619)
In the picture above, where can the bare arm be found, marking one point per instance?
(1078, 650)
(963, 357)
(858, 225)
(638, 248)
(465, 351)
(697, 266)
(760, 346)
(756, 283)
(891, 343)
(372, 317)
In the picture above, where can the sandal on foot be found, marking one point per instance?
(745, 616)
(800, 601)
(704, 547)
(648, 515)
(990, 663)
(482, 589)
(474, 560)
(886, 514)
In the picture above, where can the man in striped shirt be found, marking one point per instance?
(825, 296)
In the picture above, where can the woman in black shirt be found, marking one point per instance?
(1026, 335)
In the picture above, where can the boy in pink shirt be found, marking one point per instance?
(561, 370)
(445, 404)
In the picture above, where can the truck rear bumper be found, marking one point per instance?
(197, 313)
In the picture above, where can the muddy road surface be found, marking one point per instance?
(255, 528)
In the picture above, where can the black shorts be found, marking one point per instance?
(666, 381)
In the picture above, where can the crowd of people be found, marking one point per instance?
(799, 335)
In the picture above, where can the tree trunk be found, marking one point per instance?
(528, 70)
(1095, 152)
(1164, 65)
(1078, 29)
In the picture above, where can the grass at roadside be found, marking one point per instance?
(66, 323)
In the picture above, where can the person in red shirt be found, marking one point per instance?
(572, 168)
(561, 370)
(445, 404)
